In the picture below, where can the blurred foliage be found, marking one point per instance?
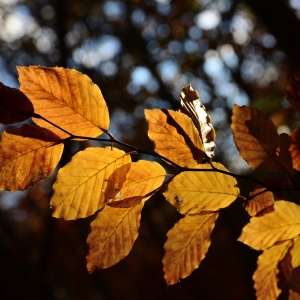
(141, 53)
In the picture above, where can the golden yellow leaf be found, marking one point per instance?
(295, 148)
(80, 185)
(67, 98)
(191, 105)
(14, 105)
(113, 233)
(25, 156)
(260, 201)
(175, 137)
(186, 246)
(281, 224)
(295, 252)
(193, 191)
(257, 140)
(265, 276)
(142, 179)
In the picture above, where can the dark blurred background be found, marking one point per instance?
(140, 54)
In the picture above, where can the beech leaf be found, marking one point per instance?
(175, 136)
(293, 94)
(258, 142)
(67, 98)
(281, 224)
(80, 185)
(260, 201)
(191, 106)
(295, 252)
(265, 276)
(142, 180)
(14, 105)
(295, 148)
(193, 191)
(186, 245)
(113, 233)
(25, 156)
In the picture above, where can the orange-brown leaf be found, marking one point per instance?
(192, 192)
(142, 179)
(80, 185)
(281, 224)
(113, 233)
(257, 140)
(26, 158)
(186, 246)
(67, 98)
(14, 105)
(295, 148)
(265, 276)
(293, 94)
(175, 136)
(260, 201)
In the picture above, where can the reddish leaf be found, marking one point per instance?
(14, 105)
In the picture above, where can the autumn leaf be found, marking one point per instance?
(265, 276)
(193, 191)
(261, 200)
(14, 105)
(295, 148)
(175, 137)
(281, 224)
(258, 142)
(186, 246)
(191, 105)
(293, 94)
(294, 287)
(80, 185)
(142, 179)
(26, 158)
(67, 98)
(295, 252)
(113, 233)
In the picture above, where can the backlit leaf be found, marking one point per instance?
(260, 202)
(65, 97)
(25, 156)
(186, 246)
(265, 276)
(191, 106)
(175, 136)
(113, 233)
(281, 224)
(193, 191)
(80, 185)
(257, 140)
(295, 148)
(295, 252)
(14, 105)
(142, 179)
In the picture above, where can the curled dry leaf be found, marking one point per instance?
(26, 158)
(261, 201)
(80, 185)
(265, 276)
(142, 180)
(258, 142)
(193, 191)
(175, 136)
(113, 233)
(281, 224)
(67, 98)
(14, 105)
(191, 105)
(295, 148)
(186, 245)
